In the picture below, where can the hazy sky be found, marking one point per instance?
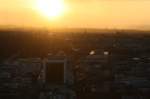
(80, 14)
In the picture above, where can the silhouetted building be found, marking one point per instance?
(57, 78)
(94, 77)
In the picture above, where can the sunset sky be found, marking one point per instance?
(126, 14)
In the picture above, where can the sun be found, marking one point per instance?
(50, 8)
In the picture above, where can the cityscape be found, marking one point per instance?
(74, 49)
(106, 64)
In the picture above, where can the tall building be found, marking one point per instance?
(57, 78)
(94, 77)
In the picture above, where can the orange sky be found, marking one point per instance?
(80, 14)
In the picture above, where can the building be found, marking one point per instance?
(94, 77)
(57, 78)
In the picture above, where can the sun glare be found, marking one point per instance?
(51, 8)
